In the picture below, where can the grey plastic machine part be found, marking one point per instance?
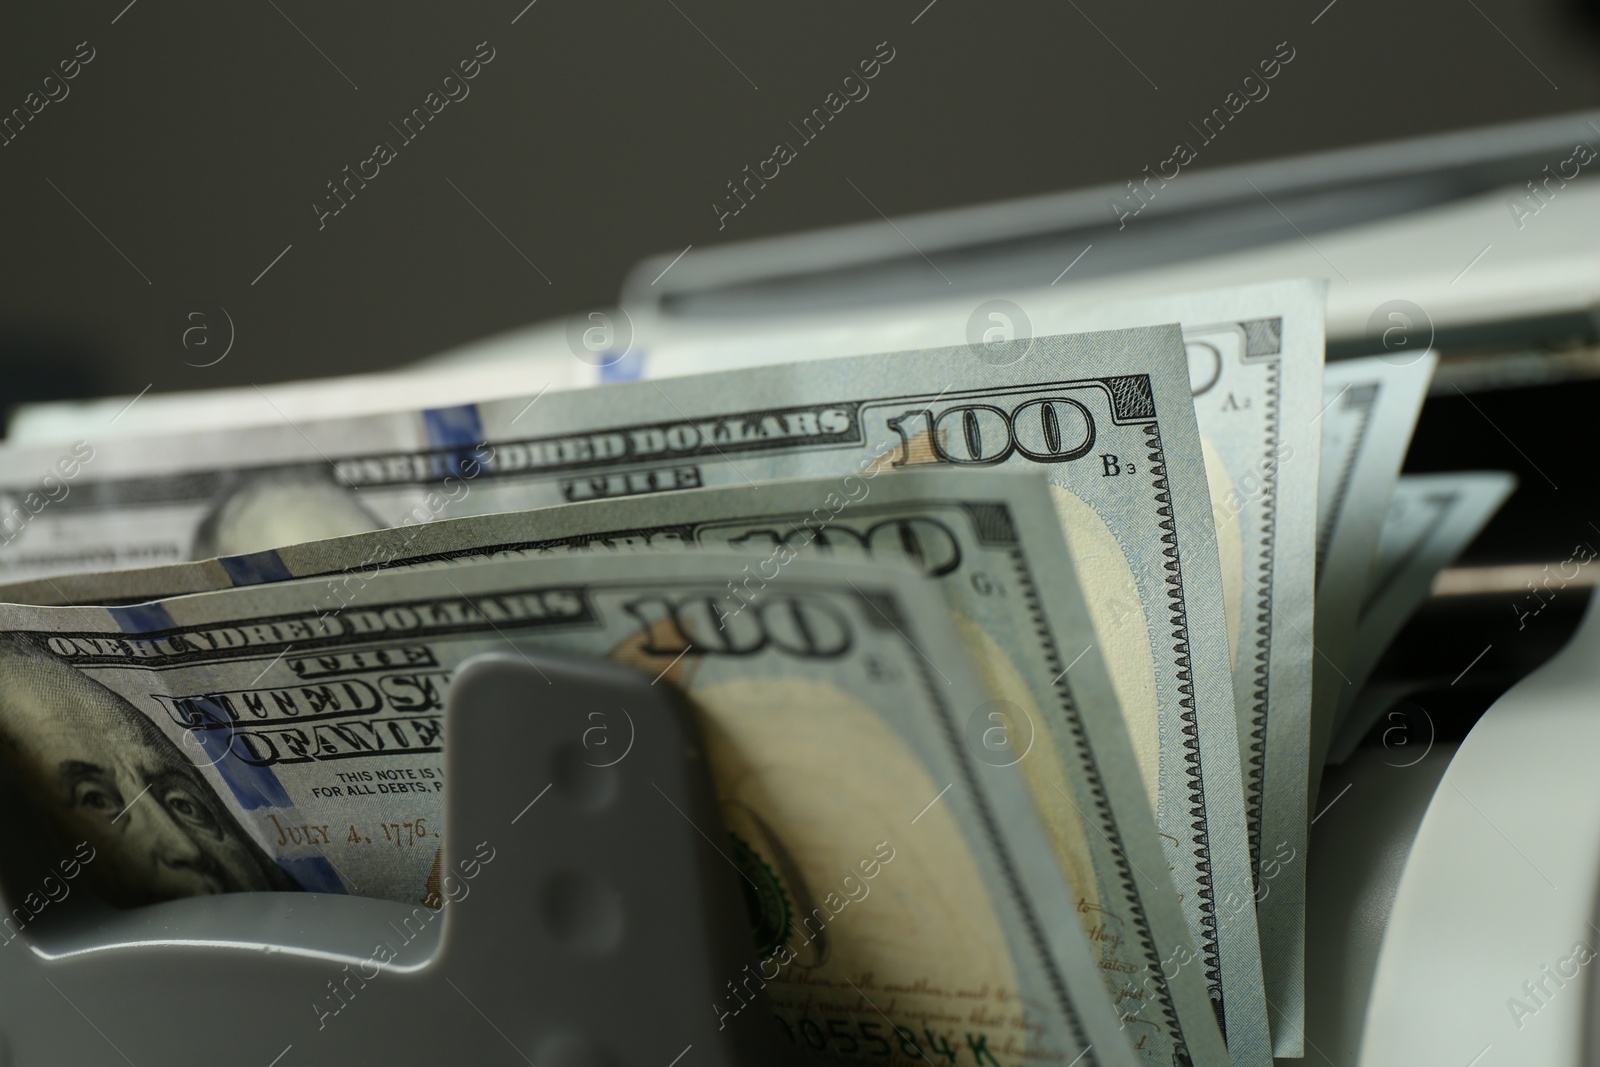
(1021, 243)
(599, 923)
(1368, 812)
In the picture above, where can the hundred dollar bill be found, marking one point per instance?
(1370, 407)
(1257, 381)
(285, 746)
(1255, 365)
(992, 544)
(519, 364)
(1107, 417)
(1430, 520)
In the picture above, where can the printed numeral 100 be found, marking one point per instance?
(1050, 429)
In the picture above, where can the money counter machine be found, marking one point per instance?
(608, 941)
(1452, 879)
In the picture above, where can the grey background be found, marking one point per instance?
(193, 146)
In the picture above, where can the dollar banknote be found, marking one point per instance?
(1370, 407)
(1107, 417)
(1430, 520)
(519, 365)
(1255, 367)
(991, 543)
(253, 740)
(1256, 384)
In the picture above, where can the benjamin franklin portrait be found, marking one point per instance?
(278, 508)
(104, 773)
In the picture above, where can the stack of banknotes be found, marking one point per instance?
(1017, 658)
